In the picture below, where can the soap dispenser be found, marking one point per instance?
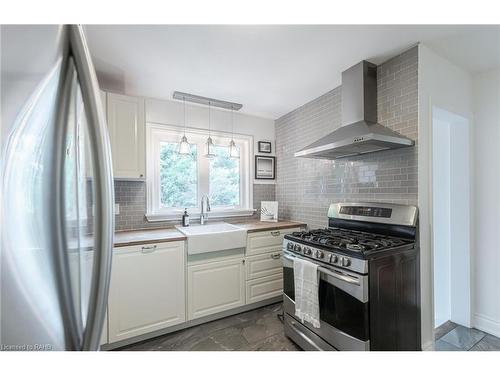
(185, 218)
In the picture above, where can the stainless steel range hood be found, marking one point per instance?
(360, 133)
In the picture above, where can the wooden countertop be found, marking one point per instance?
(146, 236)
(168, 234)
(260, 226)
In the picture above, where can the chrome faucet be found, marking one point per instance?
(204, 212)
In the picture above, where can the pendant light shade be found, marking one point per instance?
(209, 148)
(209, 145)
(234, 153)
(184, 148)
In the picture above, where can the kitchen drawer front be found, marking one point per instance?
(268, 241)
(264, 288)
(263, 265)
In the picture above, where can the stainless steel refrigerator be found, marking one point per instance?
(57, 192)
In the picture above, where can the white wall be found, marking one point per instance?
(170, 112)
(444, 85)
(441, 220)
(486, 89)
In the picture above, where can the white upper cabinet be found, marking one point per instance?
(126, 123)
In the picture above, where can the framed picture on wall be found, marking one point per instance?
(265, 167)
(264, 147)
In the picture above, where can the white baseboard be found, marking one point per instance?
(486, 324)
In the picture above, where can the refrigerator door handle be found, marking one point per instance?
(104, 192)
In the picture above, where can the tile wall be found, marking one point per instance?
(131, 196)
(306, 187)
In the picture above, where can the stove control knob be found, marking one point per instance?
(319, 254)
(289, 246)
(307, 251)
(297, 248)
(334, 258)
(346, 262)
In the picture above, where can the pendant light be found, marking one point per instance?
(184, 148)
(209, 146)
(233, 150)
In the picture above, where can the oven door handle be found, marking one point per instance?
(340, 275)
(333, 273)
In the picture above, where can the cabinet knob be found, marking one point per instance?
(141, 175)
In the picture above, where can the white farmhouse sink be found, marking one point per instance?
(213, 237)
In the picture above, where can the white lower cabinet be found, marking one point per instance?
(264, 287)
(147, 290)
(215, 286)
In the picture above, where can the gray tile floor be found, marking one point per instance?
(453, 337)
(258, 329)
(261, 329)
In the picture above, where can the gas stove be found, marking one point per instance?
(356, 232)
(368, 269)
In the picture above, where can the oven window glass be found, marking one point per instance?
(342, 311)
(337, 308)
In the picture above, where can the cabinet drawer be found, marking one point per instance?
(268, 241)
(264, 288)
(263, 265)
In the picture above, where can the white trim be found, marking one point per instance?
(170, 133)
(486, 324)
(195, 215)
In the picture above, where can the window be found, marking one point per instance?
(178, 177)
(224, 176)
(176, 182)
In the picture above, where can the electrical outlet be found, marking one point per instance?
(117, 208)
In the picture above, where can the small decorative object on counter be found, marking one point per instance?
(269, 211)
(185, 218)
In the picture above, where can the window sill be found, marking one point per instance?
(196, 215)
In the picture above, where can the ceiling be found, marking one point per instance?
(270, 69)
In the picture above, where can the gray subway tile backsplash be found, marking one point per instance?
(131, 196)
(306, 187)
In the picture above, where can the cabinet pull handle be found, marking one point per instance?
(276, 256)
(148, 249)
(243, 261)
(275, 233)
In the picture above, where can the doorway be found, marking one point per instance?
(451, 209)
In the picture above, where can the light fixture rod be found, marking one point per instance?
(206, 101)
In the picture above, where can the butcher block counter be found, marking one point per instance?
(168, 234)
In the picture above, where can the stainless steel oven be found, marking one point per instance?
(343, 305)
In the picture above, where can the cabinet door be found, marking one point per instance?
(126, 125)
(264, 288)
(215, 287)
(267, 241)
(147, 290)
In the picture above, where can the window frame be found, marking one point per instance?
(157, 133)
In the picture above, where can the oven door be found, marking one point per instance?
(343, 304)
